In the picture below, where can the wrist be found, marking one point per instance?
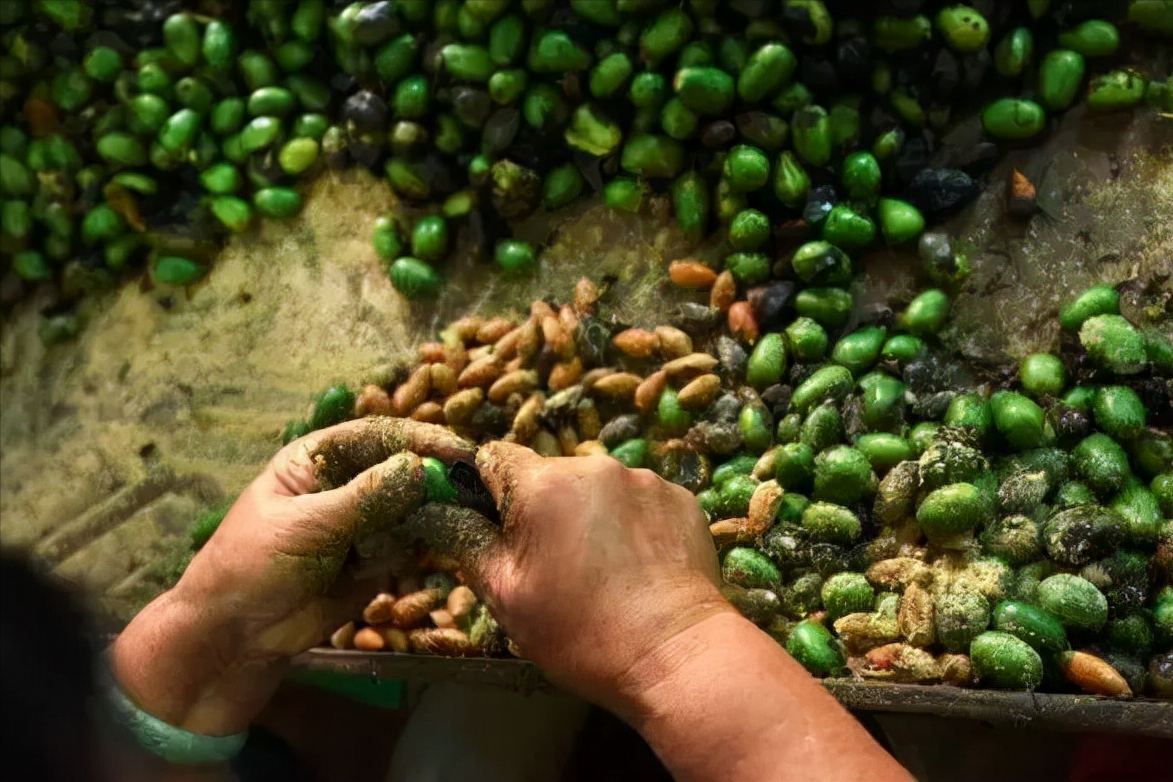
(184, 659)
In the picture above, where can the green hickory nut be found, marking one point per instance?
(175, 270)
(334, 406)
(562, 186)
(652, 156)
(859, 350)
(678, 121)
(767, 363)
(748, 268)
(665, 34)
(811, 135)
(847, 593)
(1018, 419)
(749, 230)
(219, 45)
(414, 278)
(813, 646)
(755, 426)
(1005, 662)
(749, 568)
(101, 224)
(1092, 38)
(827, 522)
(960, 616)
(827, 383)
(738, 465)
(861, 176)
(794, 466)
(964, 29)
(1119, 412)
(227, 116)
(899, 220)
(1113, 343)
(121, 149)
(506, 87)
(1131, 634)
(631, 453)
(467, 62)
(766, 71)
(970, 410)
(670, 414)
(260, 133)
(1074, 601)
(846, 228)
(1031, 624)
(735, 495)
(822, 263)
(31, 265)
(235, 213)
(429, 238)
(1097, 300)
(705, 90)
(831, 307)
(1162, 489)
(554, 52)
(396, 58)
(412, 98)
(746, 169)
(271, 101)
(1014, 52)
(1119, 89)
(893, 34)
(437, 486)
(926, 314)
(690, 201)
(1101, 463)
(806, 341)
(279, 203)
(1042, 374)
(514, 257)
(1139, 512)
(843, 475)
(625, 194)
(952, 512)
(1060, 74)
(610, 75)
(884, 450)
(386, 240)
(791, 182)
(1014, 119)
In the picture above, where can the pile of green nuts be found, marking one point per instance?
(152, 130)
(876, 510)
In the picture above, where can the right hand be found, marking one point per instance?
(595, 568)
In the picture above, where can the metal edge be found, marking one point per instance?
(1053, 711)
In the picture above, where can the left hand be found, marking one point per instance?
(270, 583)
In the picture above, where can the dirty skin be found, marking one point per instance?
(339, 458)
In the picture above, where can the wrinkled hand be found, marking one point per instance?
(271, 582)
(595, 566)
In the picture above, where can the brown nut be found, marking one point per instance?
(429, 413)
(512, 365)
(956, 669)
(480, 372)
(519, 381)
(742, 322)
(1092, 674)
(413, 608)
(590, 448)
(431, 352)
(674, 343)
(531, 340)
(636, 343)
(373, 400)
(589, 422)
(525, 422)
(343, 637)
(592, 376)
(465, 329)
(459, 407)
(914, 617)
(378, 610)
(443, 379)
(412, 392)
(394, 639)
(727, 532)
(538, 310)
(690, 365)
(567, 440)
(441, 618)
(724, 291)
(479, 352)
(369, 639)
(569, 320)
(699, 392)
(559, 341)
(766, 465)
(444, 641)
(493, 329)
(564, 374)
(507, 348)
(647, 393)
(763, 506)
(544, 443)
(617, 386)
(586, 294)
(461, 601)
(691, 274)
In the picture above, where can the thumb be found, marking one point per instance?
(502, 466)
(374, 502)
(460, 533)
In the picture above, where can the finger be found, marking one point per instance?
(502, 465)
(333, 456)
(362, 511)
(457, 532)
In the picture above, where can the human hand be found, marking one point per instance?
(271, 583)
(595, 567)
